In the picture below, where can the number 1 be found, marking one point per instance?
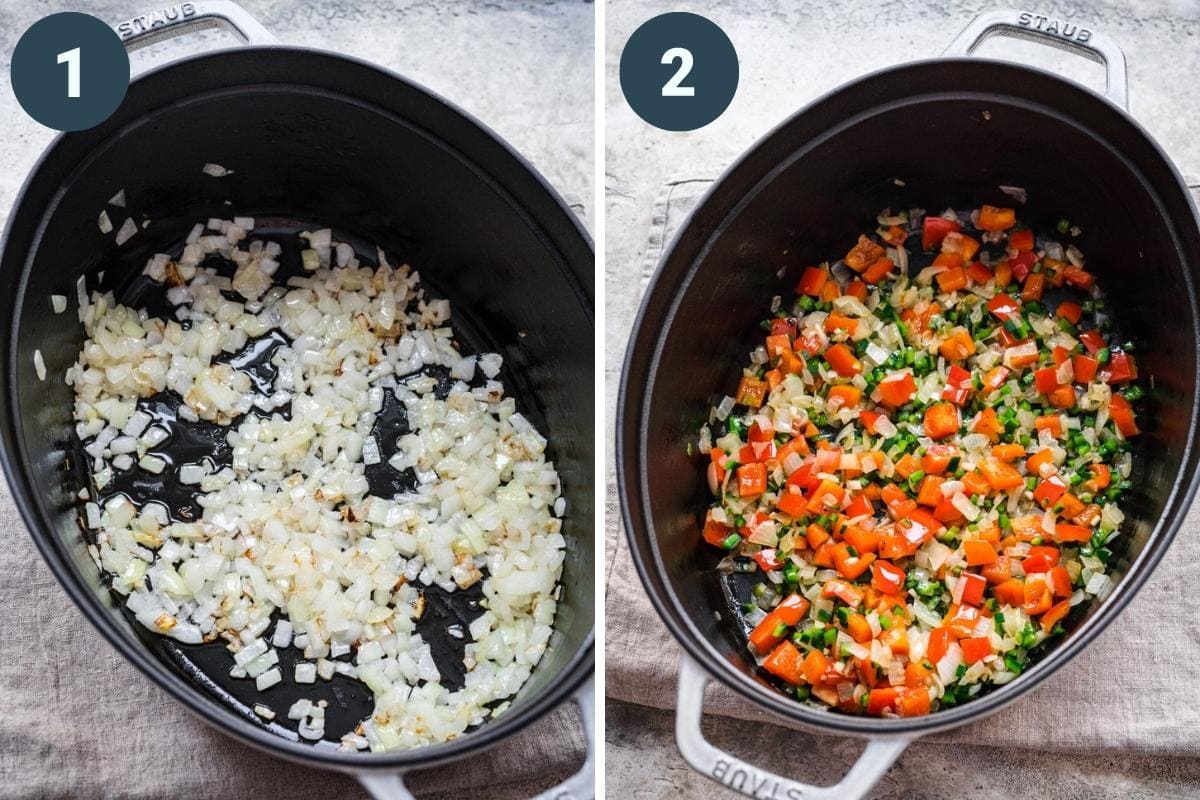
(71, 59)
(672, 87)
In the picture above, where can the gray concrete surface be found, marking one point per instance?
(525, 67)
(790, 53)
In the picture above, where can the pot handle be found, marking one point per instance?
(171, 21)
(753, 781)
(1060, 33)
(580, 786)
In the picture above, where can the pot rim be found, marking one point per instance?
(14, 459)
(631, 479)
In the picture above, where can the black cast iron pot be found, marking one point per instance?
(953, 129)
(314, 139)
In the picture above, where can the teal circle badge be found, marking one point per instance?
(679, 71)
(70, 71)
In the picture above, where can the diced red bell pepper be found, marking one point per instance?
(939, 643)
(1004, 307)
(973, 586)
(1045, 380)
(1022, 265)
(715, 533)
(1040, 559)
(768, 560)
(1084, 367)
(1093, 341)
(887, 577)
(1049, 490)
(1122, 415)
(1121, 369)
(958, 385)
(1071, 312)
(935, 230)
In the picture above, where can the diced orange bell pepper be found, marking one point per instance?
(850, 595)
(1021, 240)
(930, 493)
(960, 244)
(957, 346)
(815, 666)
(792, 502)
(937, 458)
(1004, 307)
(1011, 592)
(916, 674)
(999, 571)
(1062, 397)
(1034, 464)
(1037, 598)
(988, 424)
(978, 552)
(1060, 581)
(843, 395)
(914, 703)
(751, 479)
(1035, 284)
(864, 253)
(843, 361)
(993, 218)
(1000, 476)
(816, 535)
(787, 614)
(941, 420)
(1049, 422)
(850, 566)
(881, 699)
(1055, 615)
(939, 643)
(786, 662)
(1071, 312)
(858, 628)
(812, 281)
(751, 392)
(827, 497)
(1072, 533)
(897, 389)
(861, 539)
(878, 271)
(1008, 452)
(952, 279)
(975, 648)
(840, 322)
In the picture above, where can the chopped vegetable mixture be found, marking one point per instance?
(924, 472)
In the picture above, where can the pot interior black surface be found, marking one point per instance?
(901, 139)
(384, 163)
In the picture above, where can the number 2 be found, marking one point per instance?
(672, 87)
(71, 59)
